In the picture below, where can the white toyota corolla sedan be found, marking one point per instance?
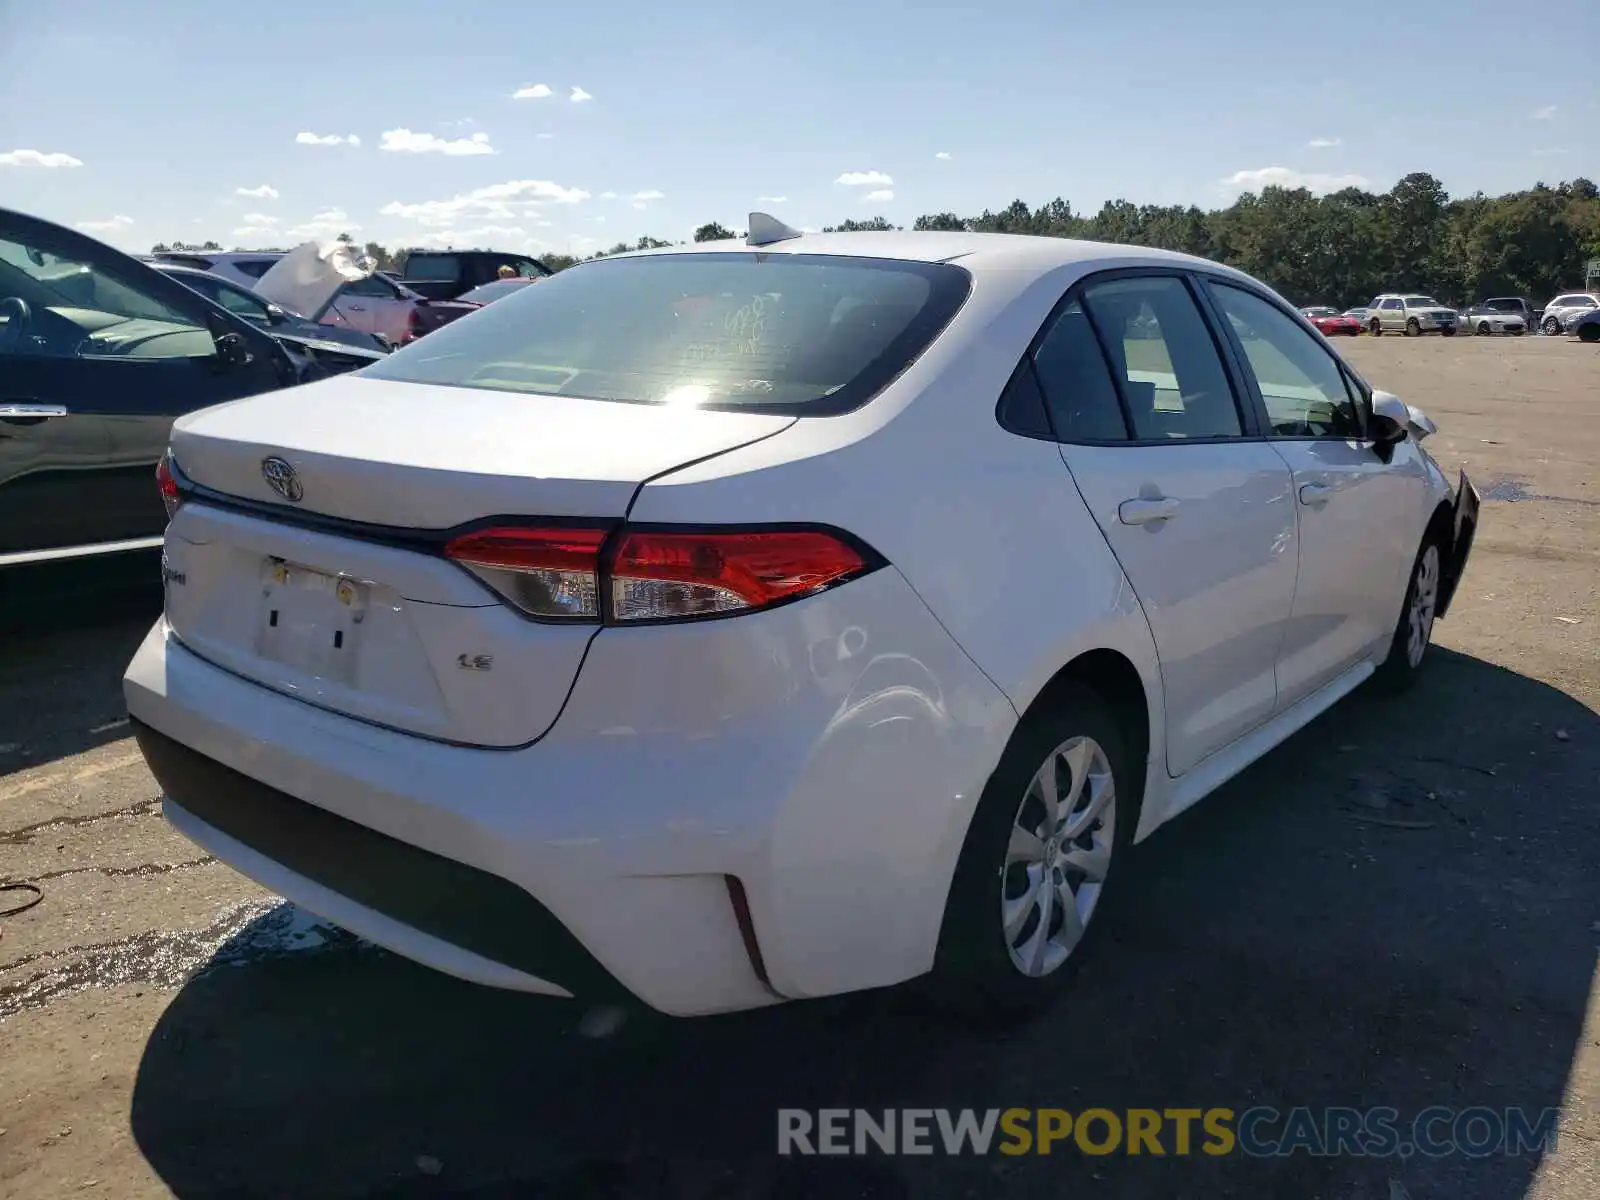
(776, 618)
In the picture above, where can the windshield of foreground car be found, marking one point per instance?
(796, 333)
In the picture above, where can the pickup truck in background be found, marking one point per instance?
(446, 274)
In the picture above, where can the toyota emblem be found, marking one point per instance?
(281, 478)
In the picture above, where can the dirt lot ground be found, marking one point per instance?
(167, 1027)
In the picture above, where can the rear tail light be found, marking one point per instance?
(414, 325)
(167, 482)
(638, 575)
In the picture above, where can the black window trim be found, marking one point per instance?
(1252, 422)
(1241, 362)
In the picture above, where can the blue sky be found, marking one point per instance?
(150, 122)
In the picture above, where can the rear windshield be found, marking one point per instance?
(794, 333)
(497, 290)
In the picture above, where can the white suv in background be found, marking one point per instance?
(1411, 315)
(777, 618)
(1567, 308)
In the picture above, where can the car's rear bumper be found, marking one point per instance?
(779, 795)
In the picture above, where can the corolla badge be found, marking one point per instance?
(281, 478)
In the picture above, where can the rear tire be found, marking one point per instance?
(1413, 634)
(1483, 329)
(1377, 327)
(1589, 333)
(1032, 877)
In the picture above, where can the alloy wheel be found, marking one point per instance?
(1424, 600)
(1058, 857)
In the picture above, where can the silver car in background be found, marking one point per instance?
(1561, 312)
(1411, 314)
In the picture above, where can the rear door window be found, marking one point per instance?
(443, 267)
(1164, 359)
(798, 333)
(1076, 384)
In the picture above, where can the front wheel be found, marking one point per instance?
(1448, 331)
(1052, 824)
(1414, 632)
(1551, 326)
(1413, 328)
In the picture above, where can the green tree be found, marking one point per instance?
(713, 231)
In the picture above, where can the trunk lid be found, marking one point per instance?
(385, 629)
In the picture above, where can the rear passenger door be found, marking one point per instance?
(1355, 510)
(1194, 503)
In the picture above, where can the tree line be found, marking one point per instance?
(1340, 249)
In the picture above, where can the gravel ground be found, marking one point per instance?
(1399, 907)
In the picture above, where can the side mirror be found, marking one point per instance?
(275, 315)
(1391, 422)
(233, 350)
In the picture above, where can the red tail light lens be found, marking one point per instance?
(571, 573)
(167, 482)
(546, 572)
(665, 575)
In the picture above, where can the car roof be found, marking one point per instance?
(977, 252)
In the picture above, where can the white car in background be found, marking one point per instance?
(778, 618)
(1561, 312)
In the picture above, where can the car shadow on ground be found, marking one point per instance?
(1392, 909)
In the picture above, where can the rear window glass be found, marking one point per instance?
(497, 290)
(254, 267)
(433, 266)
(795, 333)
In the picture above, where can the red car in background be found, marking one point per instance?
(1331, 322)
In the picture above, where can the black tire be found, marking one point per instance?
(1448, 331)
(1413, 328)
(1399, 670)
(1483, 329)
(1589, 333)
(1377, 327)
(1550, 326)
(974, 974)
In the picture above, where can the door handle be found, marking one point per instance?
(26, 412)
(1315, 494)
(1146, 511)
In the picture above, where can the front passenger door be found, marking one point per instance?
(1358, 515)
(1198, 512)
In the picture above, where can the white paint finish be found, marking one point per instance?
(828, 753)
(357, 918)
(1216, 579)
(397, 666)
(428, 457)
(1358, 537)
(1209, 775)
(829, 749)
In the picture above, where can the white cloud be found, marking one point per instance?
(405, 142)
(499, 237)
(1545, 113)
(109, 225)
(544, 137)
(326, 224)
(496, 202)
(36, 158)
(772, 199)
(647, 196)
(608, 195)
(265, 192)
(259, 219)
(254, 231)
(864, 179)
(1548, 151)
(578, 95)
(326, 139)
(944, 154)
(1286, 177)
(531, 91)
(1325, 143)
(882, 195)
